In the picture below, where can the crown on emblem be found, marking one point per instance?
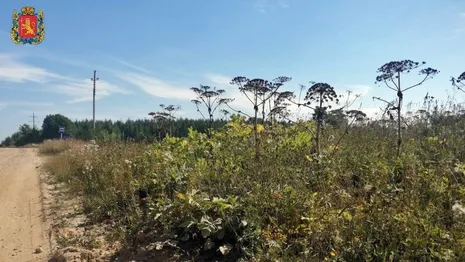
(28, 10)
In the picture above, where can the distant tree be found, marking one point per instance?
(129, 130)
(390, 74)
(459, 82)
(356, 115)
(52, 124)
(25, 135)
(84, 129)
(336, 118)
(7, 142)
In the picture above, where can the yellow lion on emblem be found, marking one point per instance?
(28, 27)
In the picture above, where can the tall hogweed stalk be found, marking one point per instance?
(390, 75)
(259, 92)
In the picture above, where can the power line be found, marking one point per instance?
(34, 117)
(94, 80)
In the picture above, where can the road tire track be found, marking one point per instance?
(22, 228)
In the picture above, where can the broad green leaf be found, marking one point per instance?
(205, 232)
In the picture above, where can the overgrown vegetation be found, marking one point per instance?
(362, 204)
(209, 197)
(340, 187)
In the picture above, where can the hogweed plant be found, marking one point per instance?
(165, 117)
(459, 82)
(211, 99)
(390, 75)
(259, 92)
(324, 96)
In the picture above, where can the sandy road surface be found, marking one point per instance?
(22, 228)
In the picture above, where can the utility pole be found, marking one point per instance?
(33, 120)
(94, 80)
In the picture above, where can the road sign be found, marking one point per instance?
(61, 130)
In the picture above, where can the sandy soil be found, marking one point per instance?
(22, 224)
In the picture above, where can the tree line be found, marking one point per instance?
(132, 130)
(148, 130)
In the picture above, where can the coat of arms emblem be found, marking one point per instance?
(28, 26)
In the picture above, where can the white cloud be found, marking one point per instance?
(14, 71)
(219, 79)
(62, 59)
(156, 87)
(172, 70)
(24, 104)
(81, 91)
(138, 68)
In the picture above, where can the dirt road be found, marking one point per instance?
(22, 229)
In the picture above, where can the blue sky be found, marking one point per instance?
(150, 52)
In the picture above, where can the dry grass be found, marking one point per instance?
(31, 146)
(54, 147)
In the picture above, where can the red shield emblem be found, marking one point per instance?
(27, 26)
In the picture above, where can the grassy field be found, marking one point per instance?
(233, 196)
